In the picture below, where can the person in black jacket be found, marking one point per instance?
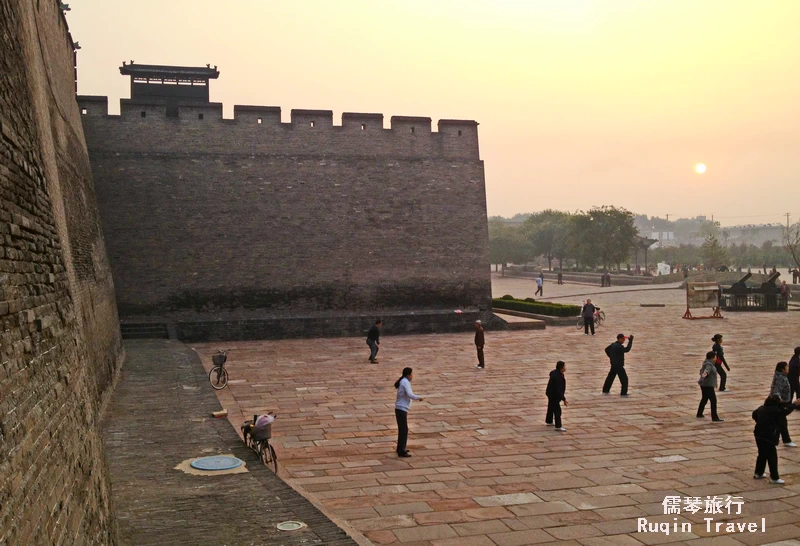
(794, 374)
(588, 317)
(616, 354)
(770, 419)
(717, 348)
(373, 340)
(480, 341)
(556, 387)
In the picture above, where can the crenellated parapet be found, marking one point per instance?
(259, 129)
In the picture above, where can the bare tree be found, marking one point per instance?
(791, 240)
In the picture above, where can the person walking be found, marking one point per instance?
(479, 343)
(785, 292)
(720, 362)
(795, 273)
(616, 354)
(404, 397)
(794, 374)
(373, 340)
(608, 279)
(588, 317)
(540, 285)
(770, 418)
(560, 278)
(556, 388)
(708, 382)
(780, 387)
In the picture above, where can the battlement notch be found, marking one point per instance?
(312, 118)
(257, 114)
(411, 124)
(361, 121)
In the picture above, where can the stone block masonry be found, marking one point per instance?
(59, 335)
(210, 219)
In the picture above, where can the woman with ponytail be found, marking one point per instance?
(720, 362)
(404, 397)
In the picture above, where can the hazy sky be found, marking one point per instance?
(580, 102)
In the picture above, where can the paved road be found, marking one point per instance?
(159, 416)
(486, 470)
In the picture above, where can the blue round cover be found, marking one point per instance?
(217, 462)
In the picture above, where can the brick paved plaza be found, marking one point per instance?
(485, 469)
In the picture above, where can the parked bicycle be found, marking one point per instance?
(256, 437)
(599, 317)
(218, 376)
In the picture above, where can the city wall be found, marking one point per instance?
(211, 219)
(59, 336)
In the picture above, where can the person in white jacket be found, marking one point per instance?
(404, 397)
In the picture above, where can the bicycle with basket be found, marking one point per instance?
(218, 376)
(257, 433)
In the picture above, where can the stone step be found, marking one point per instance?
(144, 330)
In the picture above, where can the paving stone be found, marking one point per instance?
(610, 540)
(428, 532)
(574, 532)
(480, 527)
(542, 509)
(520, 538)
(508, 500)
(381, 523)
(452, 516)
(464, 541)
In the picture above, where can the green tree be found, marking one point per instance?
(506, 244)
(714, 254)
(547, 232)
(580, 240)
(611, 233)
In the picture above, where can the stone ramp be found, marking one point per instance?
(520, 323)
(159, 416)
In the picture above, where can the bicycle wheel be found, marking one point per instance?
(579, 326)
(601, 316)
(218, 377)
(269, 457)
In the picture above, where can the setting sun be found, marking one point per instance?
(700, 168)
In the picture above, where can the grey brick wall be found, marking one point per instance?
(59, 340)
(219, 219)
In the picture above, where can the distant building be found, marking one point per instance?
(752, 234)
(663, 238)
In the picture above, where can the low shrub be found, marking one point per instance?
(537, 307)
(507, 297)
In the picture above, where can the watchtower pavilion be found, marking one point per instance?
(170, 85)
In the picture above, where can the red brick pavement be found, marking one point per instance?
(485, 469)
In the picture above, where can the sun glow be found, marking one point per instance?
(700, 168)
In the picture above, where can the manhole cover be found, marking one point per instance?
(217, 462)
(291, 525)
